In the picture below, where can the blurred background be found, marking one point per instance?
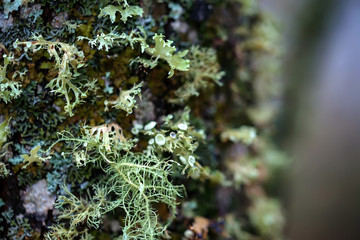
(320, 116)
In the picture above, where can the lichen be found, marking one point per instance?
(68, 59)
(122, 111)
(126, 100)
(138, 180)
(124, 9)
(38, 200)
(9, 89)
(204, 67)
(33, 157)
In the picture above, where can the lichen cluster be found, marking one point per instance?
(143, 119)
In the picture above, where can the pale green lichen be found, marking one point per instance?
(68, 59)
(165, 51)
(4, 172)
(78, 210)
(141, 180)
(9, 89)
(105, 138)
(34, 157)
(204, 70)
(138, 180)
(181, 141)
(126, 100)
(162, 49)
(243, 170)
(244, 134)
(4, 131)
(124, 9)
(112, 39)
(266, 214)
